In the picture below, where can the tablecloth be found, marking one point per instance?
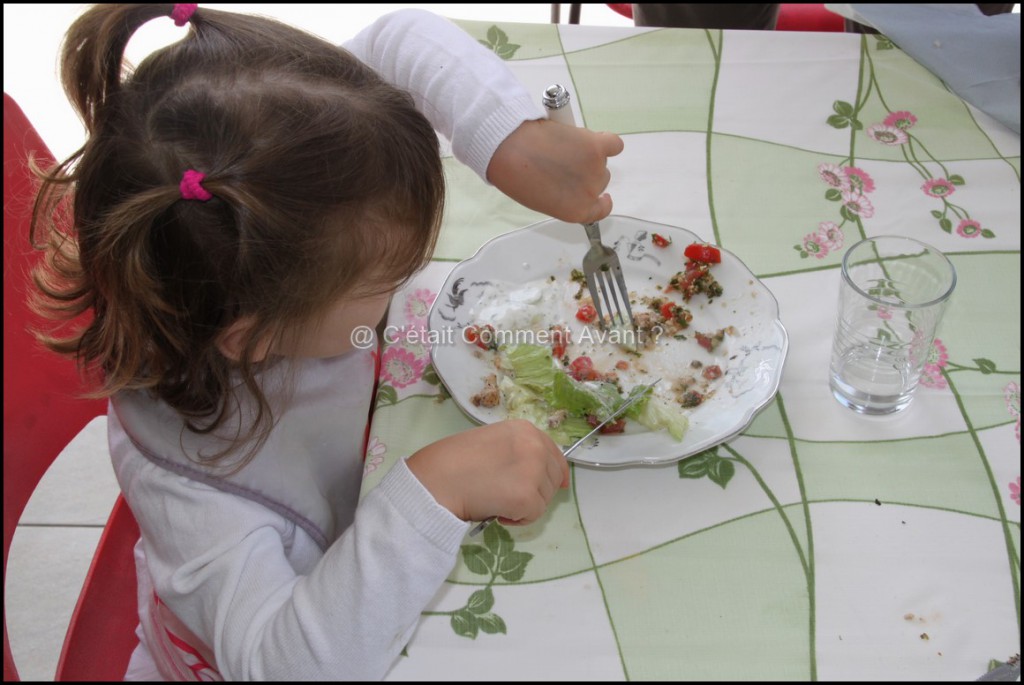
(819, 544)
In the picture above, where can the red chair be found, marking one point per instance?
(43, 411)
(808, 17)
(792, 17)
(623, 8)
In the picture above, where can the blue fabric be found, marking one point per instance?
(977, 56)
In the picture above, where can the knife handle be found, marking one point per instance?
(558, 103)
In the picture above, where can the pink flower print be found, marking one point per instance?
(884, 313)
(833, 175)
(1011, 393)
(931, 377)
(374, 455)
(886, 135)
(858, 204)
(401, 367)
(935, 361)
(814, 245)
(1015, 491)
(969, 228)
(415, 340)
(900, 120)
(831, 235)
(859, 179)
(938, 187)
(417, 306)
(937, 355)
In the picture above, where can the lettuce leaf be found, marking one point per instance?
(523, 403)
(531, 365)
(538, 390)
(657, 414)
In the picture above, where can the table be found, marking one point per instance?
(836, 546)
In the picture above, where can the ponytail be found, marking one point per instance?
(93, 54)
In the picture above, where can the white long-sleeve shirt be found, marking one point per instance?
(279, 572)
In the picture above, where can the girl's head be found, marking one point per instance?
(327, 193)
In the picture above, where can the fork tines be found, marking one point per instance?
(607, 288)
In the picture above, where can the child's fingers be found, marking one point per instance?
(601, 208)
(611, 144)
(558, 471)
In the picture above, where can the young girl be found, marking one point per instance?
(245, 198)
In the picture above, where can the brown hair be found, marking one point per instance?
(326, 182)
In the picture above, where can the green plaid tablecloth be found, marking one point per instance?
(819, 544)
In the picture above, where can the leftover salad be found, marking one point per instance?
(556, 365)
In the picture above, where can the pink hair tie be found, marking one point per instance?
(190, 188)
(182, 13)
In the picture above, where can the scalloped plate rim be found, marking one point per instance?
(584, 456)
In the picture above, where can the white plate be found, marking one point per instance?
(752, 358)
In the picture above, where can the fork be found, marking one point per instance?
(601, 266)
(602, 270)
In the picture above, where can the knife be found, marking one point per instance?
(569, 450)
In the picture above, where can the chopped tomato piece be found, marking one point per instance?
(660, 240)
(704, 341)
(668, 310)
(694, 270)
(587, 313)
(559, 341)
(481, 336)
(703, 253)
(582, 369)
(712, 372)
(616, 426)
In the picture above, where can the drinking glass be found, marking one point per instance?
(892, 295)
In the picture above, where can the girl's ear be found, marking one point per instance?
(231, 341)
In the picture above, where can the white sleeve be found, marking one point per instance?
(227, 569)
(465, 91)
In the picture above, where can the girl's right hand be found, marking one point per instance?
(510, 469)
(558, 170)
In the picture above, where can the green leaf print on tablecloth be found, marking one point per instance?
(531, 41)
(497, 41)
(549, 561)
(504, 558)
(720, 471)
(496, 558)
